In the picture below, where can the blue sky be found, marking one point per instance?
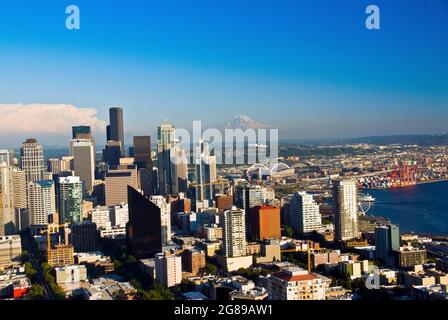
(309, 67)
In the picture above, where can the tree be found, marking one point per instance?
(37, 292)
(131, 260)
(211, 268)
(187, 285)
(288, 231)
(29, 270)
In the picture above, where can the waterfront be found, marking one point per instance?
(421, 208)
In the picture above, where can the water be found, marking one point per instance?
(421, 208)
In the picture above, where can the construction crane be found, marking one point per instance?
(50, 229)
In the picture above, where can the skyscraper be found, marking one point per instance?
(32, 160)
(165, 135)
(205, 173)
(41, 201)
(233, 224)
(82, 132)
(144, 228)
(117, 179)
(112, 153)
(70, 199)
(143, 160)
(116, 129)
(7, 212)
(7, 156)
(165, 217)
(387, 241)
(345, 209)
(83, 153)
(304, 215)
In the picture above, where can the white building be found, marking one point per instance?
(168, 269)
(233, 224)
(83, 153)
(41, 201)
(32, 160)
(296, 284)
(71, 274)
(165, 217)
(100, 215)
(119, 215)
(304, 215)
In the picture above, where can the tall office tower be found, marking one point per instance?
(387, 241)
(67, 164)
(304, 215)
(233, 223)
(83, 153)
(166, 140)
(165, 137)
(205, 173)
(7, 156)
(7, 212)
(165, 217)
(70, 199)
(144, 228)
(179, 170)
(19, 188)
(112, 153)
(168, 269)
(345, 209)
(143, 160)
(264, 223)
(32, 160)
(82, 132)
(116, 129)
(41, 201)
(117, 179)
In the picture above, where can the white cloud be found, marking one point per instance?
(46, 119)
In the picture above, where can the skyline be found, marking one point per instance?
(299, 67)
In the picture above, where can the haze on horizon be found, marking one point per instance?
(310, 69)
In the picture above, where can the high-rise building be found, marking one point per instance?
(41, 201)
(165, 217)
(83, 153)
(144, 228)
(82, 132)
(117, 179)
(7, 211)
(165, 137)
(165, 141)
(143, 161)
(387, 242)
(19, 188)
(304, 215)
(7, 156)
(179, 170)
(116, 128)
(70, 199)
(233, 223)
(119, 214)
(32, 160)
(54, 165)
(345, 209)
(112, 153)
(264, 223)
(205, 174)
(168, 269)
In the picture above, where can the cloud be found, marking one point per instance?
(46, 119)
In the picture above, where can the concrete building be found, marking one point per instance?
(387, 242)
(41, 201)
(233, 223)
(119, 214)
(117, 180)
(345, 207)
(32, 160)
(408, 257)
(61, 255)
(296, 284)
(71, 274)
(304, 215)
(100, 215)
(165, 217)
(168, 269)
(7, 210)
(193, 261)
(10, 249)
(83, 153)
(354, 269)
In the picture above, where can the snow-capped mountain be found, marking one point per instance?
(244, 122)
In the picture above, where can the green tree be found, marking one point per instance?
(211, 268)
(29, 270)
(37, 292)
(288, 231)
